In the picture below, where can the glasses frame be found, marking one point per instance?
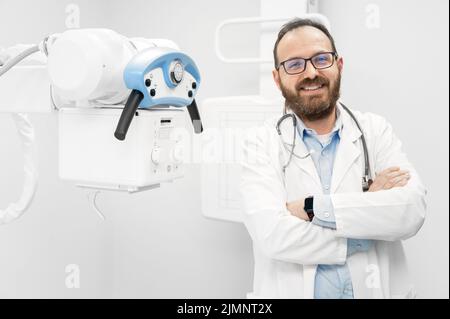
(335, 56)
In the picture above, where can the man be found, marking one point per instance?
(348, 244)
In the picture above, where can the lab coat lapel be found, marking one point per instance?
(347, 151)
(306, 164)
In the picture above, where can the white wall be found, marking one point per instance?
(400, 71)
(154, 244)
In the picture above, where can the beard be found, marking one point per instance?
(313, 107)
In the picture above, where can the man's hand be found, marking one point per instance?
(387, 179)
(390, 178)
(296, 209)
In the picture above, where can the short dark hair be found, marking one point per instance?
(298, 23)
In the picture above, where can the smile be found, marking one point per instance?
(312, 88)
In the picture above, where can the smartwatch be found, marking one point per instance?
(309, 207)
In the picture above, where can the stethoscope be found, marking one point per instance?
(366, 180)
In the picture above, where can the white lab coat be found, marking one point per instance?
(287, 249)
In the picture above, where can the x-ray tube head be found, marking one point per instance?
(160, 77)
(88, 65)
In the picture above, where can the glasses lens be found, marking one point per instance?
(323, 60)
(294, 65)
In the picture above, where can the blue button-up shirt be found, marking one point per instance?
(332, 281)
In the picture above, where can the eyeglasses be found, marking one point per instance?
(319, 61)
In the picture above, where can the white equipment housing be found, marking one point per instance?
(89, 154)
(86, 71)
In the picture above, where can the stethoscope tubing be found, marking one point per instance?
(367, 180)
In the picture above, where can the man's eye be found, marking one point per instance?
(321, 59)
(295, 64)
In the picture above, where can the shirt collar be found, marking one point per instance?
(301, 127)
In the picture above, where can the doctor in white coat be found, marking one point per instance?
(315, 232)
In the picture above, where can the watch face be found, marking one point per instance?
(309, 204)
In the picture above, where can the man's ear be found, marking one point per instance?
(340, 64)
(276, 78)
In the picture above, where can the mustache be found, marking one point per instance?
(316, 81)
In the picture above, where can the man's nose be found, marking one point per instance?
(310, 71)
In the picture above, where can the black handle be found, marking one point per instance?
(195, 117)
(127, 114)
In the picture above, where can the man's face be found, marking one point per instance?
(312, 94)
